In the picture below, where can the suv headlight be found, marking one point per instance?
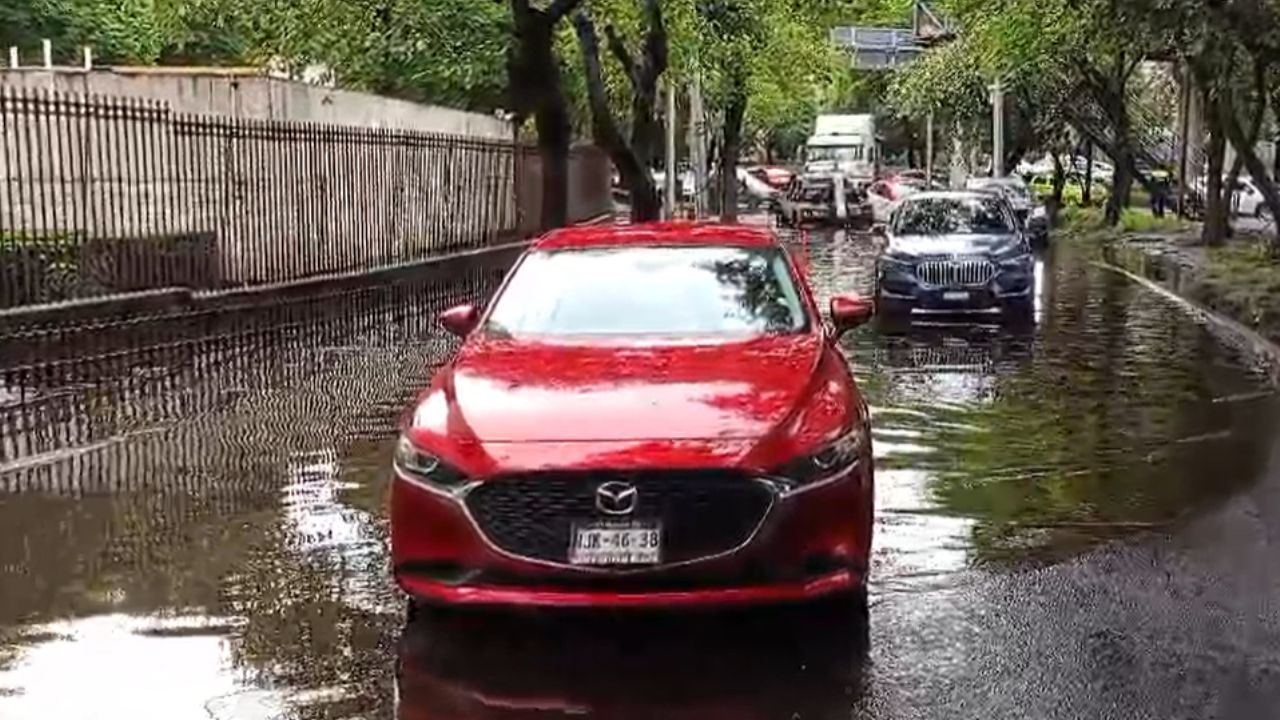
(896, 259)
(422, 467)
(828, 461)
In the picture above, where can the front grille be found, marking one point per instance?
(703, 512)
(954, 273)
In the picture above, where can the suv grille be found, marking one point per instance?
(703, 512)
(950, 273)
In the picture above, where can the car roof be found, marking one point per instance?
(656, 233)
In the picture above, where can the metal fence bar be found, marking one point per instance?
(106, 195)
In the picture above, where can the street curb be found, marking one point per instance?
(182, 299)
(1236, 334)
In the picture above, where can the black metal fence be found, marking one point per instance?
(102, 195)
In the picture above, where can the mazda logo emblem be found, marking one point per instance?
(616, 497)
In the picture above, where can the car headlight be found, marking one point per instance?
(422, 467)
(897, 260)
(828, 461)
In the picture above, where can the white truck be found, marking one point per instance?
(844, 144)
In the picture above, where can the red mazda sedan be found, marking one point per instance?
(646, 415)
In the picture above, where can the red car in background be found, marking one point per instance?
(646, 415)
(775, 177)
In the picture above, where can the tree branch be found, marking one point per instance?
(1245, 153)
(655, 45)
(560, 8)
(623, 55)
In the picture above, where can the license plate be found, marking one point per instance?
(956, 296)
(630, 543)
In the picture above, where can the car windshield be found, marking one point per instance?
(948, 216)
(651, 290)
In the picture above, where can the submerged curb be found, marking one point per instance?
(1263, 351)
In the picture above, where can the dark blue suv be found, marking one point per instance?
(948, 252)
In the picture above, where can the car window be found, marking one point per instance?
(817, 193)
(945, 216)
(651, 290)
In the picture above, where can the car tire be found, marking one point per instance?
(412, 611)
(848, 616)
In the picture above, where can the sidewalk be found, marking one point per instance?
(1237, 280)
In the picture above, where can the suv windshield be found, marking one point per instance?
(948, 216)
(651, 290)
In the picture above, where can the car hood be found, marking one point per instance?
(519, 391)
(961, 244)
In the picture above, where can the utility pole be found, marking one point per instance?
(697, 145)
(669, 180)
(997, 129)
(928, 151)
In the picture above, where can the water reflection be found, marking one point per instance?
(225, 521)
(1013, 443)
(760, 664)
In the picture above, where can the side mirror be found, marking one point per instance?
(850, 311)
(1038, 225)
(460, 320)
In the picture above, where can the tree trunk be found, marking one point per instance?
(632, 159)
(1059, 183)
(554, 133)
(1214, 231)
(1121, 184)
(1086, 190)
(1246, 153)
(733, 115)
(534, 87)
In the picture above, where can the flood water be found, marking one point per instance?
(1056, 536)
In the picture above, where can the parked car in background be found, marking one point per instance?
(885, 194)
(949, 252)
(810, 199)
(596, 443)
(774, 176)
(1013, 188)
(1041, 187)
(1247, 200)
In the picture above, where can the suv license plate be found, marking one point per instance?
(633, 543)
(956, 296)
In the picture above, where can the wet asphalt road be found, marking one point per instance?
(1075, 520)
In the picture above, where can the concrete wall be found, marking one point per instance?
(246, 93)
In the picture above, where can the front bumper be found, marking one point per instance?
(810, 543)
(900, 284)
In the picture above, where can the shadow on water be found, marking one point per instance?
(779, 663)
(215, 525)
